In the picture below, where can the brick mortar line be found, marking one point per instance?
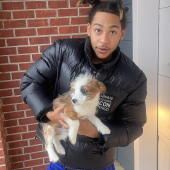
(15, 106)
(20, 133)
(48, 21)
(3, 25)
(26, 46)
(21, 119)
(47, 7)
(34, 13)
(12, 16)
(40, 36)
(44, 35)
(20, 125)
(15, 103)
(57, 14)
(24, 5)
(32, 45)
(30, 159)
(28, 154)
(2, 164)
(41, 18)
(26, 128)
(15, 63)
(29, 9)
(26, 23)
(24, 28)
(13, 33)
(10, 80)
(34, 152)
(27, 27)
(31, 57)
(39, 51)
(13, 93)
(68, 1)
(6, 128)
(18, 111)
(22, 140)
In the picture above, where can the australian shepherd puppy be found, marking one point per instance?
(80, 103)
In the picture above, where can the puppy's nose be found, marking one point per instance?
(74, 101)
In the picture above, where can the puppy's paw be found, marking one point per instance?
(104, 130)
(53, 157)
(72, 137)
(72, 140)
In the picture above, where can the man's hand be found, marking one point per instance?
(55, 115)
(86, 128)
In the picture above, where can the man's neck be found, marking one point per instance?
(97, 60)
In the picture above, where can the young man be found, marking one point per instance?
(124, 109)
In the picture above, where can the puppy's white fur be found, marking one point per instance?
(84, 108)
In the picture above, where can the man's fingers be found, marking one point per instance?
(64, 124)
(59, 109)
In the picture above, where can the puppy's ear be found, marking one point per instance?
(72, 87)
(102, 87)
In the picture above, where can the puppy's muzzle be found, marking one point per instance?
(74, 101)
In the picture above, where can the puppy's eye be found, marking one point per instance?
(83, 91)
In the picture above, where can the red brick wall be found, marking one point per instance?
(26, 29)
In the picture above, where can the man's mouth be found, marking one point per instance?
(102, 50)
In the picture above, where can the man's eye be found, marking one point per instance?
(112, 32)
(97, 30)
(83, 91)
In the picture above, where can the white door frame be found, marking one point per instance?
(145, 16)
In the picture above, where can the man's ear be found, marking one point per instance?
(88, 29)
(123, 34)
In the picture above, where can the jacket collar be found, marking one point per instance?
(89, 52)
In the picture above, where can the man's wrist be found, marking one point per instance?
(48, 115)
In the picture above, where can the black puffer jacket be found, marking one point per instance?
(122, 109)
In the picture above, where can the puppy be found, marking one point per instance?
(81, 103)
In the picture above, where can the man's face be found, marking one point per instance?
(105, 33)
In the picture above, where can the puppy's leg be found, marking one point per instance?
(56, 141)
(99, 125)
(73, 129)
(49, 135)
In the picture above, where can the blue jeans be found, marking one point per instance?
(58, 166)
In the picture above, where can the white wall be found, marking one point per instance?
(145, 54)
(164, 87)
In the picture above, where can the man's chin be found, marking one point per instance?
(104, 56)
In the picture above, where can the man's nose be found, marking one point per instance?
(74, 101)
(104, 38)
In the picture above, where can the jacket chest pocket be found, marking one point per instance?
(105, 102)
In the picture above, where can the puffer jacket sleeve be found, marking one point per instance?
(130, 119)
(38, 80)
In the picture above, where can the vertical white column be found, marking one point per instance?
(145, 55)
